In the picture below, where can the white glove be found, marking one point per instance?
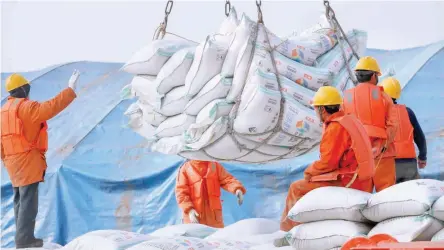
(72, 83)
(193, 215)
(240, 197)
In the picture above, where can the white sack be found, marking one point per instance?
(207, 116)
(299, 93)
(260, 104)
(270, 246)
(216, 88)
(207, 63)
(175, 70)
(338, 203)
(196, 155)
(244, 228)
(324, 235)
(106, 239)
(439, 236)
(223, 244)
(175, 243)
(46, 246)
(413, 197)
(149, 115)
(150, 59)
(342, 79)
(213, 133)
(134, 114)
(241, 35)
(144, 87)
(230, 23)
(334, 60)
(174, 102)
(175, 125)
(169, 145)
(187, 230)
(409, 228)
(146, 130)
(261, 239)
(438, 209)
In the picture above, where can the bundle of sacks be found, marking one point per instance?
(254, 234)
(330, 216)
(225, 99)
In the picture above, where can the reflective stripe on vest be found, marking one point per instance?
(12, 134)
(366, 102)
(362, 149)
(404, 144)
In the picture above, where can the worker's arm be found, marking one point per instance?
(183, 195)
(228, 182)
(335, 141)
(391, 119)
(41, 112)
(418, 136)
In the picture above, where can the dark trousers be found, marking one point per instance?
(406, 170)
(25, 212)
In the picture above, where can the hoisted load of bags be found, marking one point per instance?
(242, 95)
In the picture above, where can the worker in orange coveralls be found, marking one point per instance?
(346, 157)
(375, 109)
(24, 142)
(198, 192)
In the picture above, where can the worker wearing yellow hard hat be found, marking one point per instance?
(375, 109)
(24, 142)
(344, 143)
(408, 132)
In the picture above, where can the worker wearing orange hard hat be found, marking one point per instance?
(376, 111)
(346, 157)
(198, 192)
(408, 132)
(24, 142)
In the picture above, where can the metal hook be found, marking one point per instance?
(227, 7)
(259, 3)
(168, 7)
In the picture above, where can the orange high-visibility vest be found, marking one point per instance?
(362, 149)
(404, 144)
(13, 138)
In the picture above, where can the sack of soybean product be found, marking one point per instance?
(168, 145)
(176, 243)
(144, 87)
(409, 198)
(261, 239)
(299, 93)
(216, 88)
(173, 73)
(173, 103)
(212, 134)
(175, 125)
(325, 235)
(107, 239)
(46, 246)
(224, 244)
(438, 209)
(150, 59)
(149, 114)
(207, 63)
(342, 79)
(338, 203)
(439, 236)
(230, 23)
(244, 228)
(270, 246)
(409, 228)
(187, 230)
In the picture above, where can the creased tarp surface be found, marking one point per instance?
(101, 176)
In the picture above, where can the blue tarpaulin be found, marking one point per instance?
(101, 176)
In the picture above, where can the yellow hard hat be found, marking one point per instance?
(368, 63)
(326, 96)
(391, 87)
(15, 81)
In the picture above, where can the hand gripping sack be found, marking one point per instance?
(187, 230)
(438, 209)
(207, 63)
(174, 125)
(174, 102)
(230, 23)
(409, 228)
(216, 88)
(244, 228)
(241, 34)
(260, 104)
(175, 70)
(325, 235)
(409, 198)
(338, 203)
(150, 59)
(107, 239)
(176, 243)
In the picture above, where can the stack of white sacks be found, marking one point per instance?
(221, 99)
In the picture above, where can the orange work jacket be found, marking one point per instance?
(404, 143)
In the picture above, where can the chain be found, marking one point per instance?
(227, 7)
(259, 12)
(161, 30)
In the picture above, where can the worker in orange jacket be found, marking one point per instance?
(375, 109)
(346, 157)
(408, 132)
(198, 192)
(24, 142)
